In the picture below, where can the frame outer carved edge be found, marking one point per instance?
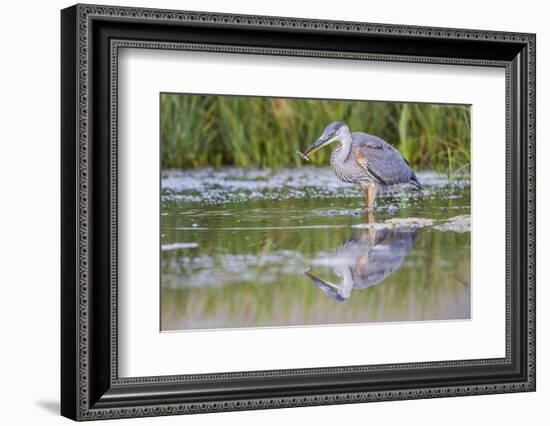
(85, 12)
(82, 226)
(116, 44)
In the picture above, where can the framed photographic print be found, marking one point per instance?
(263, 212)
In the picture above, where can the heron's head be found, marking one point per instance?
(333, 132)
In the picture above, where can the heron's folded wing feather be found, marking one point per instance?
(383, 162)
(362, 160)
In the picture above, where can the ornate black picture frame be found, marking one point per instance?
(91, 36)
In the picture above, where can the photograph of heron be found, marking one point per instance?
(280, 212)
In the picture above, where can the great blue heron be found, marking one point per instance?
(364, 160)
(365, 260)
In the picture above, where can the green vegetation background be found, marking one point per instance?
(209, 130)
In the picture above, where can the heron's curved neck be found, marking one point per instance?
(346, 284)
(345, 146)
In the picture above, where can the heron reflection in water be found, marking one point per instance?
(365, 260)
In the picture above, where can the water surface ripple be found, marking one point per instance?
(295, 247)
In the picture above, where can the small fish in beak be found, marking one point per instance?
(304, 157)
(317, 145)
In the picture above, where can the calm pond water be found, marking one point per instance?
(295, 247)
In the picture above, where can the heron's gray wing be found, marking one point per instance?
(389, 255)
(380, 160)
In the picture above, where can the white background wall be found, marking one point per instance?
(29, 211)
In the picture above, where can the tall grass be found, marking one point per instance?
(198, 131)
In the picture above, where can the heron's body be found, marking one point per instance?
(365, 160)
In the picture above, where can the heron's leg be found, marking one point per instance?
(370, 217)
(371, 195)
(366, 192)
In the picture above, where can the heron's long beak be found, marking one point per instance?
(319, 281)
(330, 289)
(317, 145)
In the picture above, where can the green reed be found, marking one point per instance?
(199, 131)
